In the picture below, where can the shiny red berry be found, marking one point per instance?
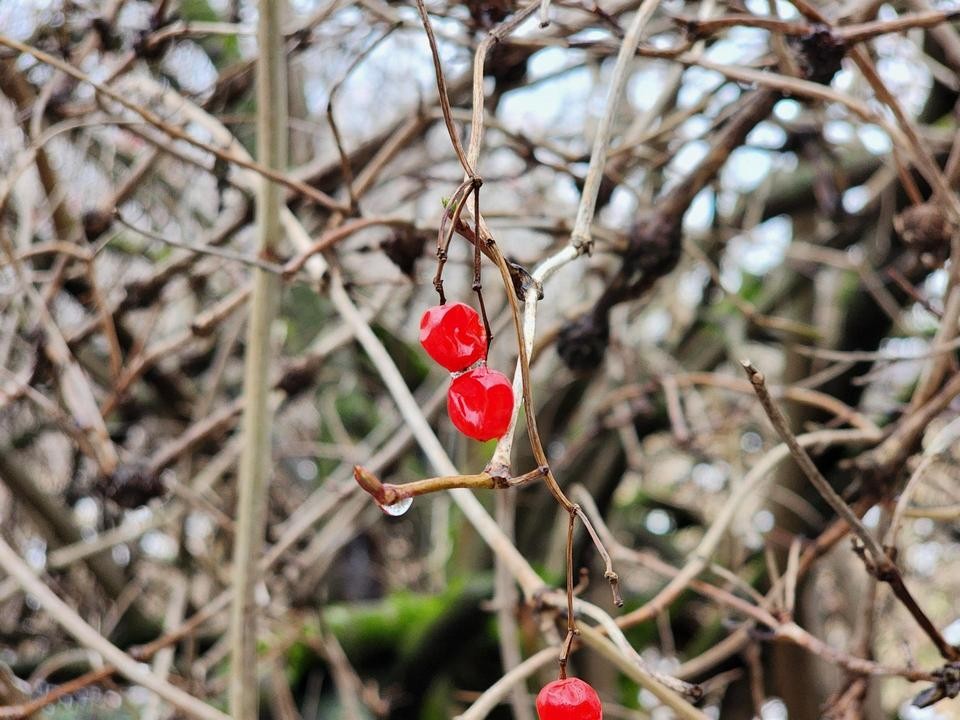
(480, 403)
(453, 335)
(569, 699)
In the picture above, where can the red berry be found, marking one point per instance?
(453, 335)
(569, 699)
(480, 403)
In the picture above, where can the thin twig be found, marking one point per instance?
(580, 237)
(202, 249)
(496, 693)
(254, 468)
(759, 473)
(152, 118)
(596, 641)
(880, 564)
(806, 464)
(70, 621)
(443, 94)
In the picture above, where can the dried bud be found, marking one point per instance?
(96, 223)
(583, 342)
(486, 13)
(403, 248)
(926, 230)
(131, 486)
(655, 244)
(298, 377)
(819, 53)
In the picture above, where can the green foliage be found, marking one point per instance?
(306, 314)
(410, 359)
(70, 709)
(357, 412)
(436, 705)
(222, 49)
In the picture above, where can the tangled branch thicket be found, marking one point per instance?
(646, 199)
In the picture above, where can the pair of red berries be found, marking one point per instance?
(569, 699)
(480, 400)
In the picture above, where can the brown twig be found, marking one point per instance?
(317, 196)
(878, 563)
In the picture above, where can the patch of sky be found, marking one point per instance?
(697, 82)
(133, 16)
(690, 285)
(745, 169)
(643, 85)
(590, 35)
(951, 632)
(559, 102)
(843, 80)
(662, 42)
(655, 324)
(549, 60)
(906, 75)
(751, 442)
(191, 66)
(699, 215)
(727, 201)
(303, 6)
(20, 18)
(909, 712)
(767, 135)
(86, 510)
(855, 199)
(158, 545)
(621, 208)
(731, 276)
(838, 132)
(694, 127)
(739, 42)
(787, 110)
(763, 521)
(774, 709)
(923, 558)
(785, 10)
(936, 284)
(904, 347)
(761, 249)
(710, 477)
(686, 158)
(874, 139)
(658, 522)
(722, 98)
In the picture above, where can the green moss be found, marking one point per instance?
(357, 412)
(397, 620)
(306, 314)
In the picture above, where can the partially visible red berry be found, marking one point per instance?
(453, 335)
(480, 403)
(569, 699)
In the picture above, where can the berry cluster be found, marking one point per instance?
(569, 699)
(480, 400)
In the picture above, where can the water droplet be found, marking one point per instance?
(398, 508)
